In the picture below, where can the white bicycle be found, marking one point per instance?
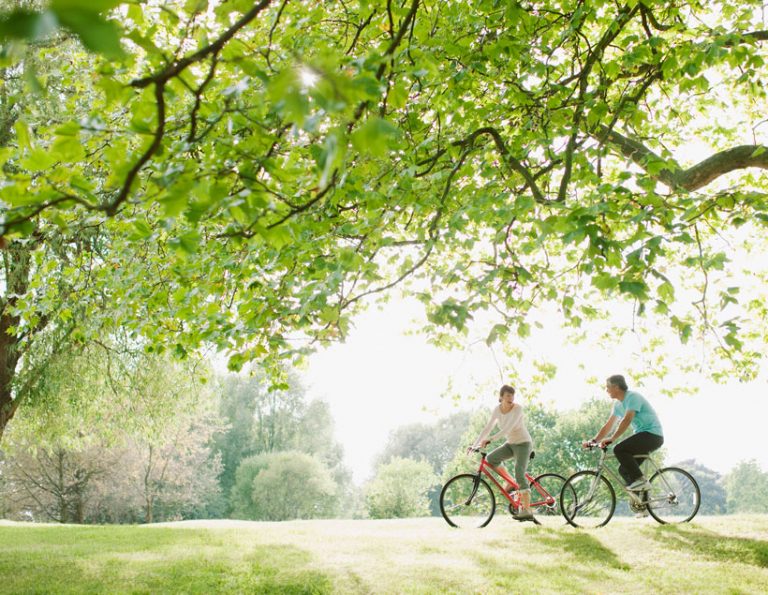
(588, 498)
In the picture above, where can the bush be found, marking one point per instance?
(400, 489)
(281, 486)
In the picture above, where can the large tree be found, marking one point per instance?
(272, 164)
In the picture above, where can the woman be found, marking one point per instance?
(511, 421)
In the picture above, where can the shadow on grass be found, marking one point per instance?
(571, 562)
(586, 549)
(712, 545)
(138, 560)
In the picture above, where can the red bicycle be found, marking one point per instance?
(467, 499)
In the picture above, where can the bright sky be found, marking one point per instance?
(382, 378)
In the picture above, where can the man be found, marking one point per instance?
(630, 408)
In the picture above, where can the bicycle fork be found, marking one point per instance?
(475, 485)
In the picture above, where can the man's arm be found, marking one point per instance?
(603, 431)
(623, 425)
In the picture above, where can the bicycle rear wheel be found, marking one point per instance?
(545, 503)
(467, 501)
(674, 496)
(587, 500)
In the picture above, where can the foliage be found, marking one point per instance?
(747, 488)
(103, 442)
(261, 418)
(283, 485)
(541, 156)
(400, 489)
(713, 494)
(51, 484)
(560, 449)
(434, 443)
(461, 461)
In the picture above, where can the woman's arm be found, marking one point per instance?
(481, 439)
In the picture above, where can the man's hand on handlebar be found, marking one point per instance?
(594, 444)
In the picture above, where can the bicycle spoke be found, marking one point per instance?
(587, 500)
(674, 496)
(467, 501)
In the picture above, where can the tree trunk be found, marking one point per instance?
(16, 268)
(61, 489)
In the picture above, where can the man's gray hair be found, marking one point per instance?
(618, 380)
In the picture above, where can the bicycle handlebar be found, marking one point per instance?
(484, 453)
(591, 444)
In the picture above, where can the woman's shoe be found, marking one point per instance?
(523, 516)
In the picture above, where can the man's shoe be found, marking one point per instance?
(639, 485)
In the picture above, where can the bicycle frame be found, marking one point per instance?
(490, 472)
(603, 469)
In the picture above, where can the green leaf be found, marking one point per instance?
(498, 330)
(195, 6)
(23, 137)
(278, 237)
(286, 93)
(376, 136)
(67, 149)
(635, 288)
(39, 160)
(25, 24)
(95, 32)
(70, 128)
(605, 281)
(187, 243)
(667, 292)
(398, 95)
(328, 315)
(141, 230)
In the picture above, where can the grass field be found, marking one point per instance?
(710, 555)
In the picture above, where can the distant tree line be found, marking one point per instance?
(438, 451)
(156, 439)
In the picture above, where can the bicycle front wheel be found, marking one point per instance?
(674, 496)
(545, 499)
(587, 500)
(467, 501)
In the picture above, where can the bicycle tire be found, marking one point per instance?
(467, 501)
(674, 497)
(586, 506)
(548, 515)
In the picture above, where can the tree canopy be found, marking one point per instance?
(248, 174)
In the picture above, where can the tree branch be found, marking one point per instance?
(214, 48)
(697, 176)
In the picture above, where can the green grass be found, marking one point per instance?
(711, 555)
